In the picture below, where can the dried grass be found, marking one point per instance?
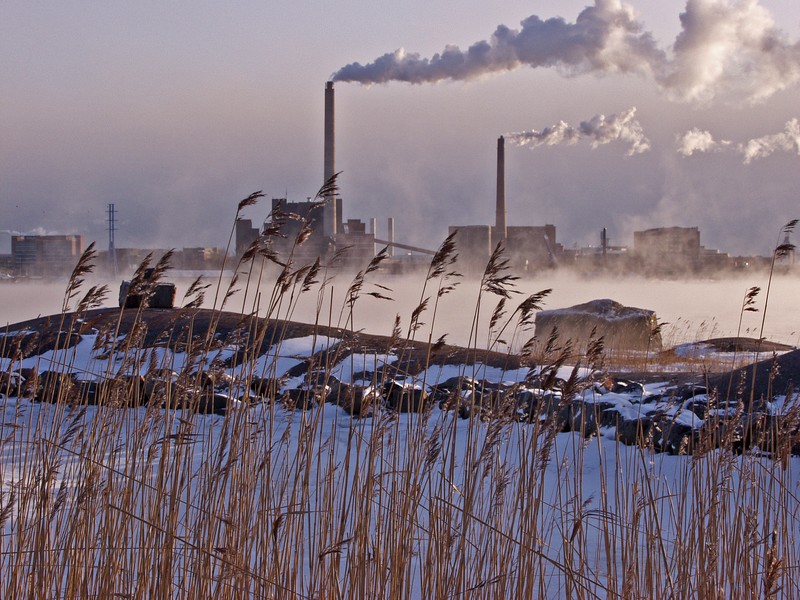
(102, 500)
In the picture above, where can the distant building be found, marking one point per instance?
(474, 247)
(360, 244)
(668, 250)
(198, 259)
(532, 247)
(185, 259)
(676, 251)
(45, 255)
(292, 217)
(129, 259)
(246, 234)
(528, 248)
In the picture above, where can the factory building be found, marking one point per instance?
(45, 255)
(528, 248)
(667, 249)
(327, 230)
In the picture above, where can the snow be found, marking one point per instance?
(289, 353)
(359, 363)
(704, 351)
(582, 488)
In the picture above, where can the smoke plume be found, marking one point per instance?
(598, 130)
(697, 140)
(605, 38)
(725, 48)
(788, 141)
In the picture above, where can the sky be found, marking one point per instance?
(618, 115)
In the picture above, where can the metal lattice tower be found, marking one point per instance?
(112, 252)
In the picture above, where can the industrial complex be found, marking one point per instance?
(320, 223)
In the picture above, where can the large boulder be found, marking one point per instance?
(622, 327)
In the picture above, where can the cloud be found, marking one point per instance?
(598, 130)
(696, 140)
(725, 48)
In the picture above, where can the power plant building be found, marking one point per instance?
(319, 222)
(667, 249)
(532, 247)
(528, 248)
(45, 255)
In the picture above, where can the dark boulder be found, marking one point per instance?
(266, 387)
(356, 400)
(405, 399)
(51, 387)
(300, 398)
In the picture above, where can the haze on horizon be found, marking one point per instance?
(689, 310)
(174, 112)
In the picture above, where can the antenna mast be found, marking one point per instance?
(112, 252)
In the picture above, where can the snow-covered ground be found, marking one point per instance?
(269, 502)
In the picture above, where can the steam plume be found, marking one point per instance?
(725, 47)
(788, 140)
(605, 38)
(598, 130)
(696, 140)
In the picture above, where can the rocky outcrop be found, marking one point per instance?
(686, 418)
(622, 327)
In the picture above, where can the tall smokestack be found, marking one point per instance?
(330, 213)
(500, 220)
(390, 235)
(604, 242)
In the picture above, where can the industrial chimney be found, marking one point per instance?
(500, 220)
(390, 235)
(330, 214)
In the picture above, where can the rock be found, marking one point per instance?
(214, 403)
(216, 380)
(635, 431)
(457, 393)
(320, 379)
(356, 400)
(51, 386)
(623, 328)
(265, 387)
(11, 383)
(778, 375)
(162, 295)
(405, 399)
(160, 383)
(581, 417)
(300, 399)
(119, 392)
(698, 406)
(608, 414)
(628, 387)
(133, 389)
(674, 436)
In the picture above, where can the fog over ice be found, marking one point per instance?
(694, 309)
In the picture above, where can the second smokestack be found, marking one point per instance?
(330, 212)
(500, 219)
